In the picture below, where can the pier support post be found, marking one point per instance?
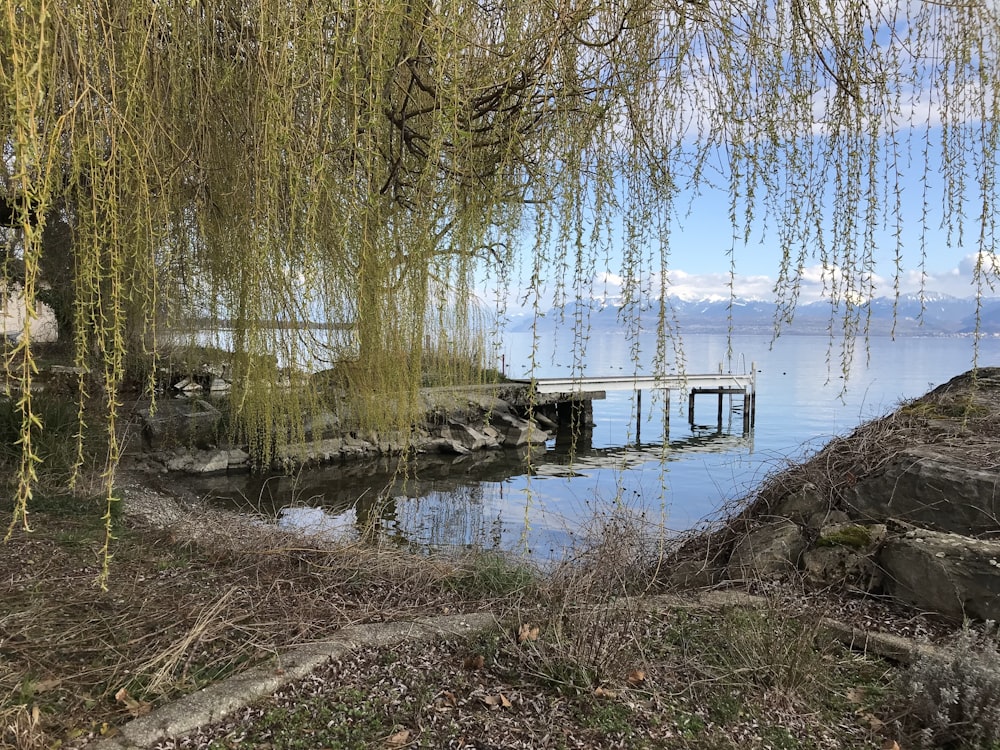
(638, 416)
(575, 420)
(577, 414)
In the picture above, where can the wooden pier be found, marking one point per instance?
(577, 393)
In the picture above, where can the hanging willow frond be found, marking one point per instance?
(266, 168)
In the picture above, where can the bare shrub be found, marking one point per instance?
(588, 613)
(768, 648)
(952, 700)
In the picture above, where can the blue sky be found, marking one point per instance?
(699, 260)
(913, 125)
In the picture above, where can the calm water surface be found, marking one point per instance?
(677, 475)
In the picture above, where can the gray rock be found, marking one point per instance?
(492, 434)
(182, 462)
(188, 387)
(320, 425)
(923, 488)
(488, 404)
(446, 445)
(351, 446)
(237, 458)
(801, 505)
(694, 574)
(822, 518)
(517, 431)
(209, 462)
(468, 436)
(767, 551)
(844, 556)
(218, 386)
(179, 422)
(947, 573)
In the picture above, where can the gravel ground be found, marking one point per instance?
(679, 679)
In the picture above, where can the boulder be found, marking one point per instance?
(487, 404)
(180, 462)
(517, 431)
(219, 386)
(695, 574)
(467, 436)
(843, 556)
(320, 424)
(802, 505)
(767, 551)
(928, 471)
(238, 459)
(442, 445)
(924, 488)
(210, 462)
(947, 573)
(179, 422)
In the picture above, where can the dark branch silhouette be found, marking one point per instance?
(10, 213)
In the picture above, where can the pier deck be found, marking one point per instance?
(726, 380)
(588, 388)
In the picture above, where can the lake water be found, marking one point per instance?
(676, 476)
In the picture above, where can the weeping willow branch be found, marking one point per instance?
(266, 166)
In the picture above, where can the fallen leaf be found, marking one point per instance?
(636, 677)
(136, 708)
(873, 722)
(527, 632)
(449, 699)
(399, 739)
(122, 696)
(45, 685)
(600, 692)
(496, 701)
(474, 661)
(855, 696)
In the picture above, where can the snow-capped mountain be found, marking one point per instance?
(930, 314)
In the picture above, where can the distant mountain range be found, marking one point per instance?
(936, 315)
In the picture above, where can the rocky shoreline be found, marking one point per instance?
(907, 506)
(181, 432)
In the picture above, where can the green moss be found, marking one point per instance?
(854, 536)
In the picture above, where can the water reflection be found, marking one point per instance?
(488, 499)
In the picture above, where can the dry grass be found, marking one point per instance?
(194, 596)
(179, 613)
(590, 604)
(19, 727)
(581, 655)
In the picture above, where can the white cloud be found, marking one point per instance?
(957, 281)
(687, 286)
(987, 263)
(816, 282)
(609, 279)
